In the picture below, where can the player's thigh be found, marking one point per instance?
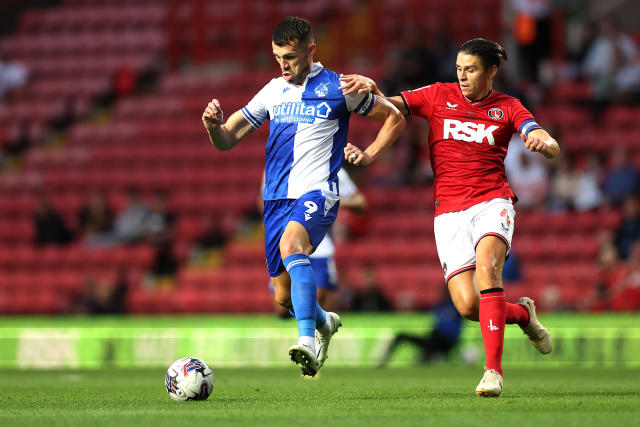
(311, 217)
(493, 226)
(491, 253)
(465, 294)
(496, 218)
(454, 242)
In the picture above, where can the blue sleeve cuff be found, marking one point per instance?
(247, 115)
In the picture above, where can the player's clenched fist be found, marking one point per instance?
(535, 144)
(356, 156)
(212, 116)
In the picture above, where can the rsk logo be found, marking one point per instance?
(468, 131)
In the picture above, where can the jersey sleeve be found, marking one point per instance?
(419, 102)
(347, 186)
(256, 112)
(360, 103)
(522, 119)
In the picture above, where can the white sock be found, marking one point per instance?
(309, 342)
(327, 327)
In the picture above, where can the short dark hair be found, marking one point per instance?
(290, 29)
(489, 52)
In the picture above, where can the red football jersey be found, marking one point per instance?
(468, 142)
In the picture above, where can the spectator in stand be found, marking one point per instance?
(588, 194)
(159, 232)
(13, 74)
(124, 81)
(104, 294)
(213, 236)
(625, 294)
(371, 298)
(417, 64)
(50, 227)
(619, 282)
(159, 221)
(581, 33)
(207, 249)
(528, 175)
(564, 184)
(131, 224)
(417, 169)
(612, 64)
(95, 221)
(623, 179)
(19, 139)
(532, 34)
(628, 232)
(66, 117)
(611, 270)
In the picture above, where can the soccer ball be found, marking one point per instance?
(189, 378)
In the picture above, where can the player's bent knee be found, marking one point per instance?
(469, 312)
(468, 308)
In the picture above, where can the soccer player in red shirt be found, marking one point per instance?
(470, 128)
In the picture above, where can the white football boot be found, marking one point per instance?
(303, 356)
(322, 340)
(538, 334)
(490, 385)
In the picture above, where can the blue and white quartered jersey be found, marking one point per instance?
(307, 134)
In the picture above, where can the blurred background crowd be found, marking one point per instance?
(112, 199)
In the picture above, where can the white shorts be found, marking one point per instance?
(458, 233)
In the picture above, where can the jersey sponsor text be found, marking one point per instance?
(468, 131)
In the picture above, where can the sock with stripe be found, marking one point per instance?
(517, 313)
(493, 313)
(303, 296)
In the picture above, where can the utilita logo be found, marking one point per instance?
(299, 112)
(468, 131)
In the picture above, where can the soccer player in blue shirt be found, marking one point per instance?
(308, 122)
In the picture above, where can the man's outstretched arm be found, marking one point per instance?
(225, 136)
(393, 123)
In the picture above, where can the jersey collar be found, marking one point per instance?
(315, 70)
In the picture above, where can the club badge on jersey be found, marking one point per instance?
(495, 113)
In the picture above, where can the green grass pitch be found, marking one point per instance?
(437, 395)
